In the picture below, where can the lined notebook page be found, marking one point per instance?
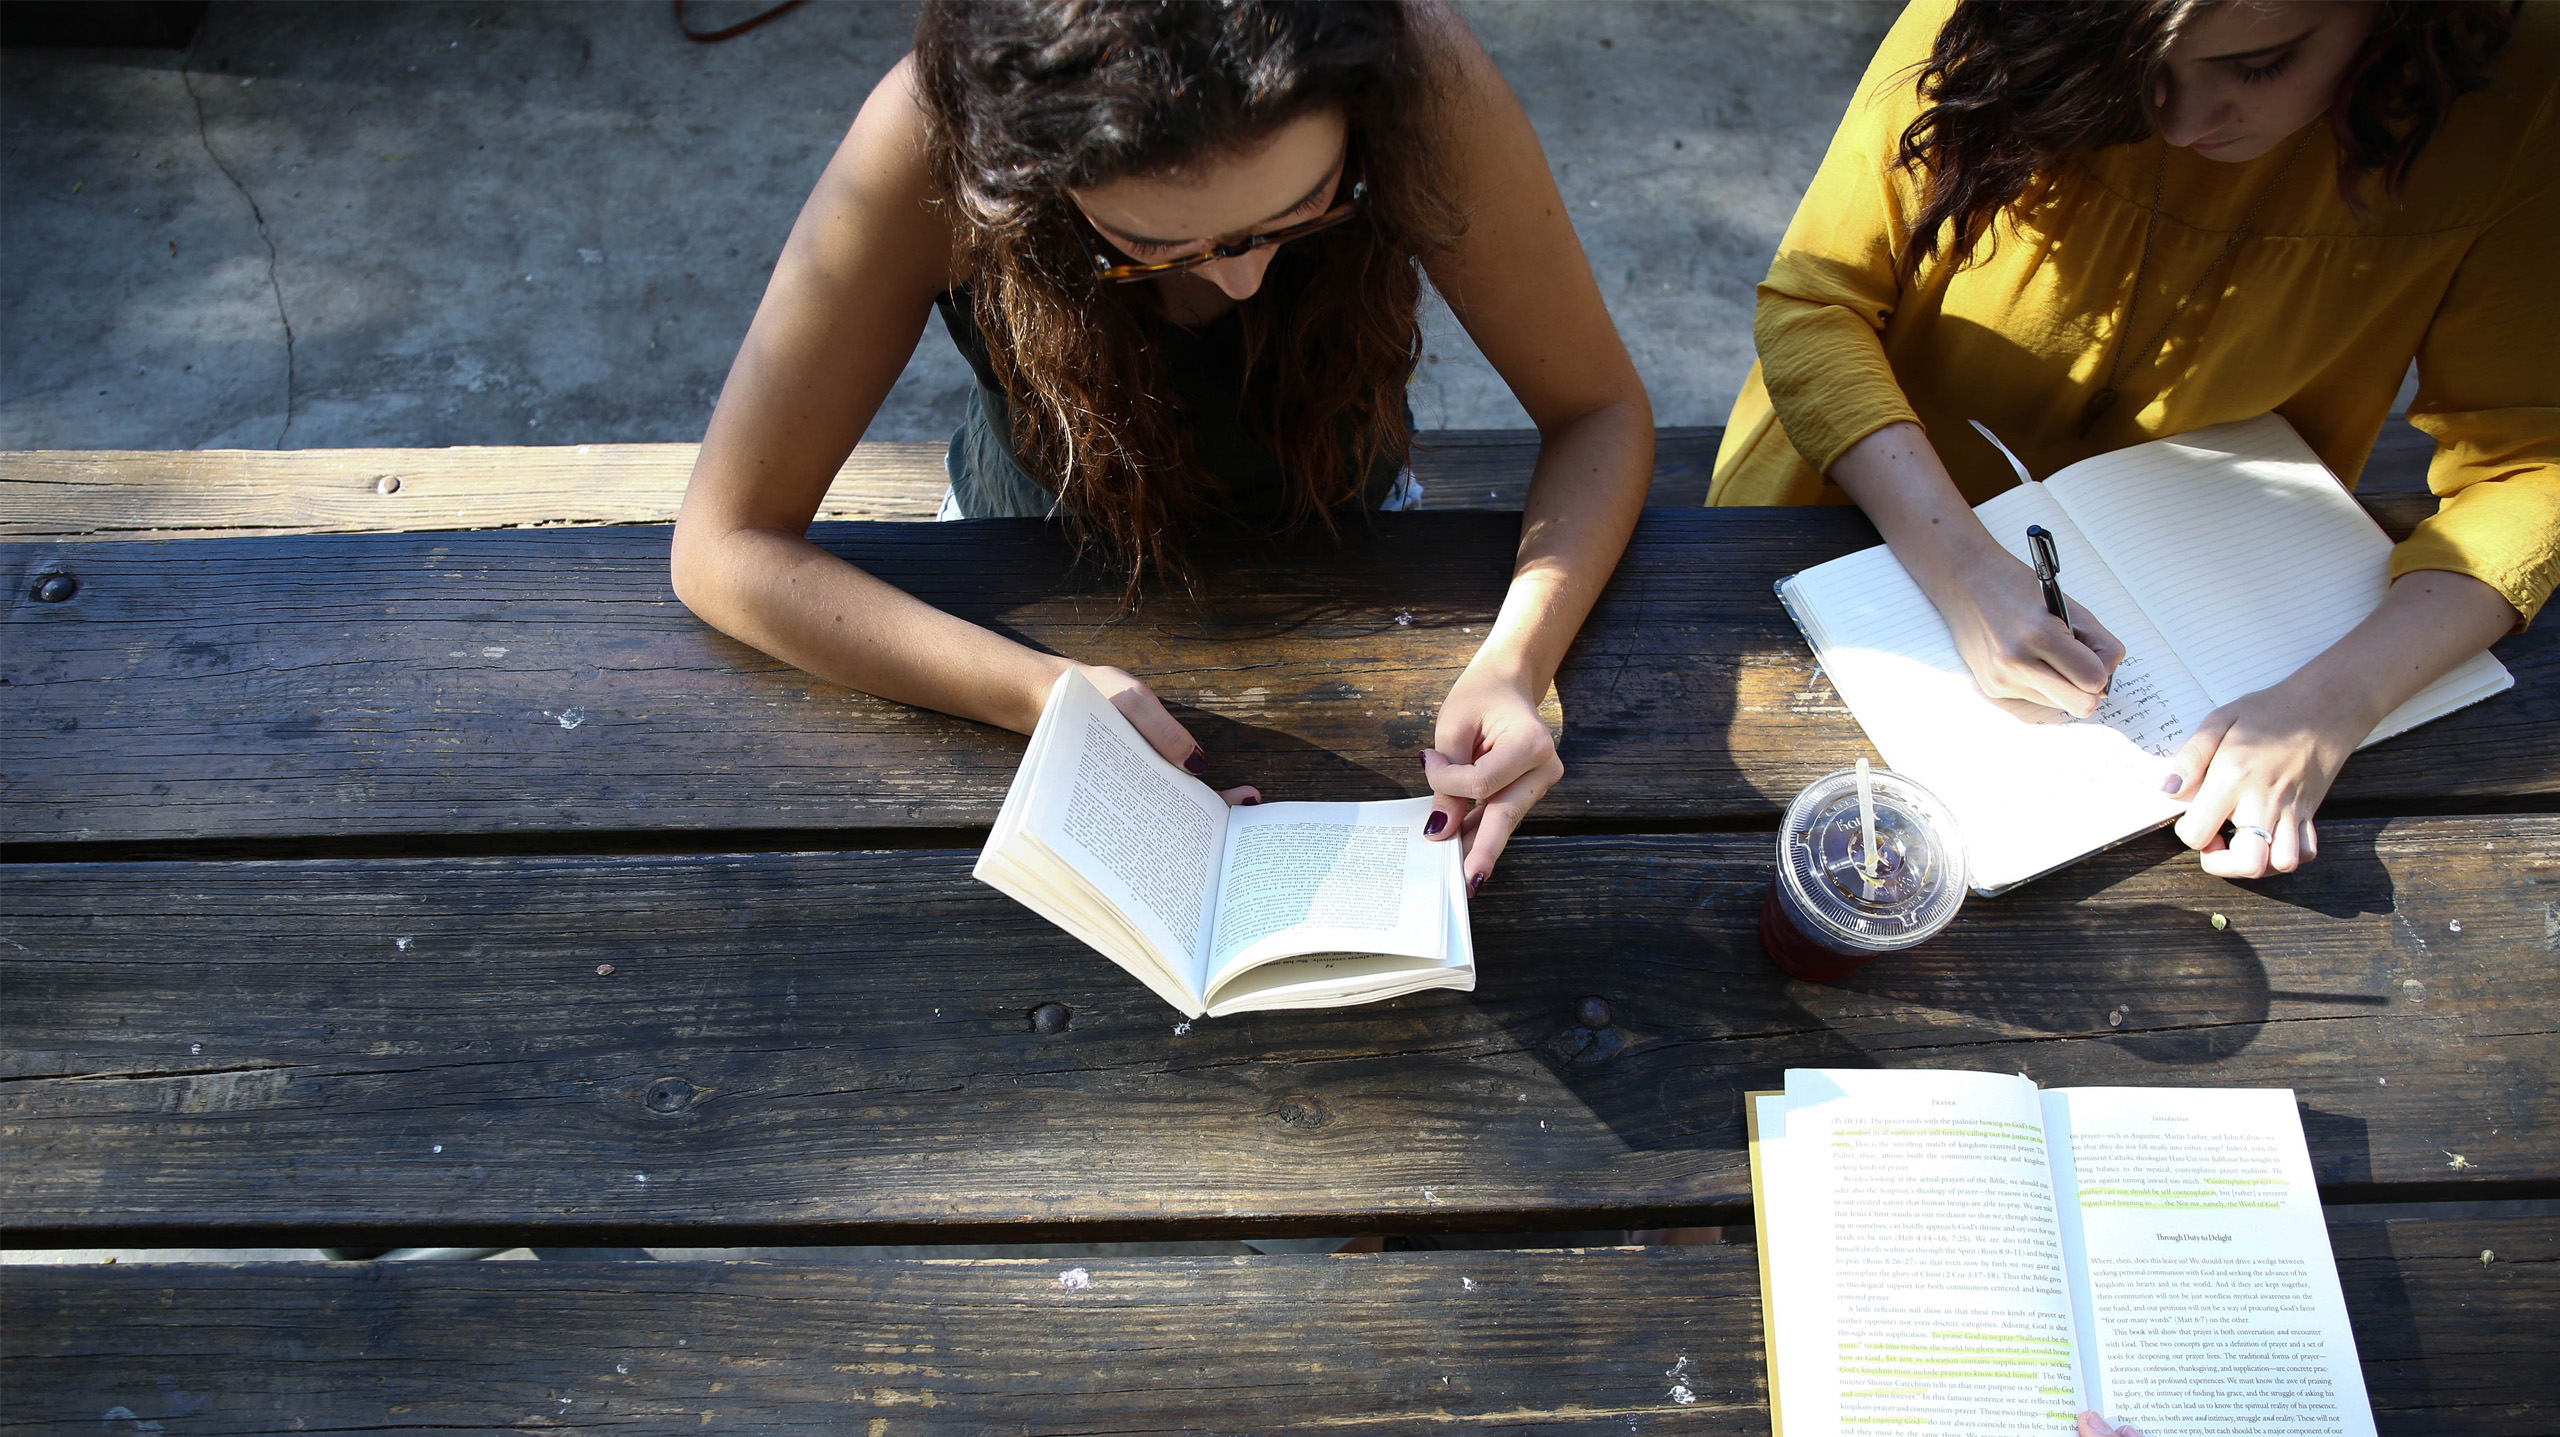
(2029, 796)
(2248, 556)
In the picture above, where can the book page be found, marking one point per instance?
(2209, 1300)
(2028, 794)
(1329, 878)
(1144, 834)
(2249, 556)
(1332, 980)
(1915, 1271)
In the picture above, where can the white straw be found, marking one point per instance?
(1867, 818)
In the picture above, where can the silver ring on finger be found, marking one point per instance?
(2264, 837)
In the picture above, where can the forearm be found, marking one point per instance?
(1902, 486)
(783, 595)
(1585, 497)
(2428, 622)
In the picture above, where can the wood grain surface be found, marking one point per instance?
(1617, 1340)
(836, 1046)
(220, 493)
(530, 681)
(172, 494)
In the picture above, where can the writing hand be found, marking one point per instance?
(1490, 762)
(1146, 713)
(2016, 648)
(2263, 763)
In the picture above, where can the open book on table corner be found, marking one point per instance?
(1218, 909)
(2225, 559)
(1959, 1251)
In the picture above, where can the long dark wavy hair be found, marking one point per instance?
(2014, 87)
(1028, 101)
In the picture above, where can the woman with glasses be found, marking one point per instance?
(2092, 224)
(1181, 247)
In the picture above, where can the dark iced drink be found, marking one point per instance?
(1836, 903)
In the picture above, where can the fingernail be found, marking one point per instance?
(1473, 884)
(2172, 783)
(1198, 762)
(1250, 801)
(1439, 821)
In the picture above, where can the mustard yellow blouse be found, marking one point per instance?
(2316, 315)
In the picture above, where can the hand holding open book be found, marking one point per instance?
(1222, 910)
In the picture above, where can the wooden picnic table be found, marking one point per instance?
(417, 887)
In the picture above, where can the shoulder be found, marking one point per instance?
(892, 135)
(1892, 81)
(2495, 149)
(880, 183)
(1458, 74)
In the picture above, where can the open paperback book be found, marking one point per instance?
(1958, 1252)
(2225, 559)
(1222, 910)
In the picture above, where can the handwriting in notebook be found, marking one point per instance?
(2140, 707)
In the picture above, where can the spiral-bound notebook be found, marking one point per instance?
(2225, 559)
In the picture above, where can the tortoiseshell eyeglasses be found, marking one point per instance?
(1127, 271)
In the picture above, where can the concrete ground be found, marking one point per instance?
(428, 224)
(332, 225)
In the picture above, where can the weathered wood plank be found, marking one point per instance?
(1503, 1342)
(226, 493)
(2453, 1319)
(522, 681)
(835, 1046)
(1497, 1341)
(179, 494)
(216, 493)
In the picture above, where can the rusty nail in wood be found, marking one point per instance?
(387, 484)
(1051, 1018)
(1594, 1012)
(54, 588)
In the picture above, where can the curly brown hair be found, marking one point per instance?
(2012, 88)
(1026, 102)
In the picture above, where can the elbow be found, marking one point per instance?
(691, 568)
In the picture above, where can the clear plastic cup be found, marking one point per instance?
(1828, 914)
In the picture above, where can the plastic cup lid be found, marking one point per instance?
(1915, 886)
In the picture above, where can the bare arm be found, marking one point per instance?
(848, 299)
(2268, 759)
(1520, 284)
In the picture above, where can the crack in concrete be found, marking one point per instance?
(186, 77)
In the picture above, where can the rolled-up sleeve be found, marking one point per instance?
(2489, 395)
(1835, 280)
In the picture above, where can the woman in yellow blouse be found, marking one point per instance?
(2093, 224)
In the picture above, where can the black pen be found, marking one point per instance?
(2048, 572)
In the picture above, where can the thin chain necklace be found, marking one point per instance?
(2105, 398)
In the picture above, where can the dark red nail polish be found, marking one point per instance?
(1198, 762)
(1250, 801)
(1473, 884)
(1438, 822)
